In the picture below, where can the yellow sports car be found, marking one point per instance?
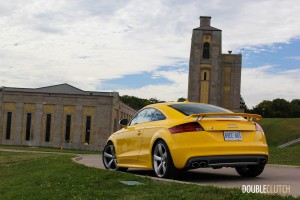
(168, 137)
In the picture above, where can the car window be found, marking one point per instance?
(147, 115)
(189, 109)
(157, 115)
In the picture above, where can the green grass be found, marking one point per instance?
(280, 130)
(284, 156)
(48, 149)
(50, 176)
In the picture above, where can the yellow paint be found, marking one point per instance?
(9, 107)
(206, 38)
(204, 85)
(134, 143)
(227, 87)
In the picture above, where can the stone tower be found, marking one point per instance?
(214, 78)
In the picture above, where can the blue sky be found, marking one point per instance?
(284, 56)
(142, 48)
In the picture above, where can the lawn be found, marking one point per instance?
(48, 149)
(49, 176)
(280, 130)
(285, 156)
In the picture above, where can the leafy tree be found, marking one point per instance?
(181, 99)
(295, 108)
(264, 109)
(138, 103)
(243, 105)
(280, 108)
(154, 100)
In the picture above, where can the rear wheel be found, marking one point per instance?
(250, 171)
(109, 158)
(162, 160)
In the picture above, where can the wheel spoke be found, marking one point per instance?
(112, 149)
(159, 167)
(110, 162)
(107, 155)
(160, 150)
(115, 162)
(157, 158)
(165, 155)
(164, 167)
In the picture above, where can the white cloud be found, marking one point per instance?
(166, 92)
(294, 57)
(263, 83)
(82, 42)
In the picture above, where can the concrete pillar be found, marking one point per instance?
(38, 122)
(18, 124)
(78, 130)
(58, 129)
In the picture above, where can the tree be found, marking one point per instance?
(243, 105)
(138, 103)
(181, 99)
(264, 109)
(135, 102)
(280, 108)
(295, 108)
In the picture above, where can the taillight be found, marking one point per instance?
(188, 127)
(258, 127)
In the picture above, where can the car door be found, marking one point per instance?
(155, 124)
(130, 138)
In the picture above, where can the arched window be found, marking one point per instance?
(206, 47)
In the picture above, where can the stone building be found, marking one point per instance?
(214, 78)
(59, 116)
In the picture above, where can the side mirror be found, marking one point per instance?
(123, 122)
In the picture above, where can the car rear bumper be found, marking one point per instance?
(225, 161)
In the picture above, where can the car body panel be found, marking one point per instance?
(134, 143)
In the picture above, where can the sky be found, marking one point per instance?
(142, 48)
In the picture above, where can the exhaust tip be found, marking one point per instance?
(195, 165)
(202, 164)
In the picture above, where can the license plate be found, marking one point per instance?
(232, 135)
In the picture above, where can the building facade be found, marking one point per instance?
(214, 78)
(60, 116)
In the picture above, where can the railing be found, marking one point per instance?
(292, 140)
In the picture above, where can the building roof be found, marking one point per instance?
(207, 28)
(58, 89)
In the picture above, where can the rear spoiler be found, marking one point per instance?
(200, 116)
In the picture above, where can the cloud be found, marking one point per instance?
(266, 83)
(167, 92)
(83, 42)
(294, 58)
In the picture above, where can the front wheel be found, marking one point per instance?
(250, 171)
(162, 160)
(109, 158)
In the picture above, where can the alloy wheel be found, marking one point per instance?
(160, 160)
(109, 157)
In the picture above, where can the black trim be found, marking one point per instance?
(227, 160)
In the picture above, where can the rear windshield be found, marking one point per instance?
(189, 109)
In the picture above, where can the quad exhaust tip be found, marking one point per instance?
(199, 165)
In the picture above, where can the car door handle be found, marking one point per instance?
(139, 132)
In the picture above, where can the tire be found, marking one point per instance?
(109, 158)
(250, 171)
(162, 161)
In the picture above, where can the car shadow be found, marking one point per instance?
(197, 176)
